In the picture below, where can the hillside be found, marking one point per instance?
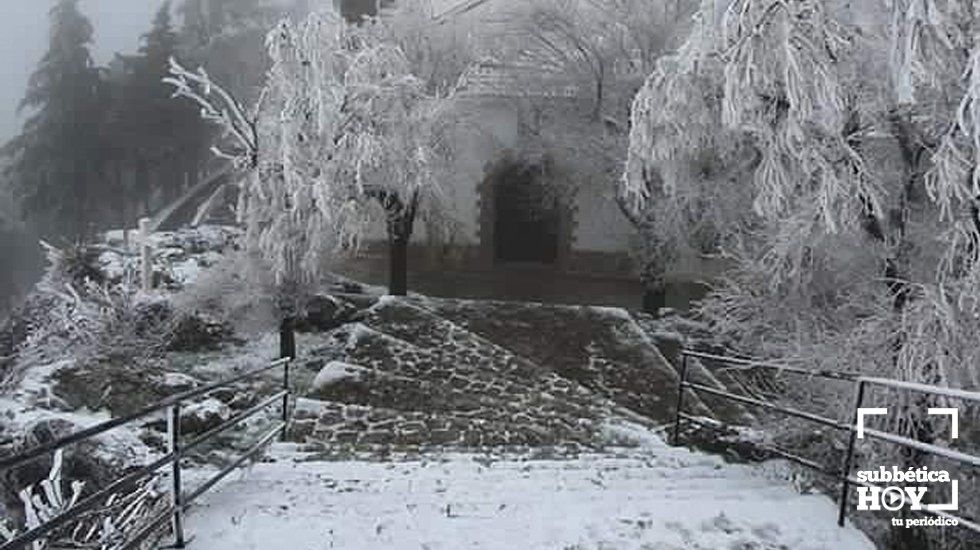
(482, 407)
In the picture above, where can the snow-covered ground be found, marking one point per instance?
(655, 497)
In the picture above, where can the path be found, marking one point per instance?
(657, 497)
(442, 383)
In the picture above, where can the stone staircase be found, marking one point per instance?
(445, 424)
(481, 374)
(652, 496)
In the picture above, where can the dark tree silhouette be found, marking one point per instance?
(54, 162)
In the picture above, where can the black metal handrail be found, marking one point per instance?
(860, 383)
(176, 450)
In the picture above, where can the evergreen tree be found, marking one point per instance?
(228, 37)
(172, 132)
(54, 161)
(159, 140)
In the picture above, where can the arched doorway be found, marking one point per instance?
(522, 217)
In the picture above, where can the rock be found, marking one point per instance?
(225, 394)
(346, 437)
(377, 437)
(243, 400)
(152, 438)
(324, 313)
(178, 382)
(347, 287)
(335, 372)
(199, 333)
(151, 316)
(201, 417)
(115, 384)
(299, 430)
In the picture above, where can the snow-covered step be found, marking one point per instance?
(675, 499)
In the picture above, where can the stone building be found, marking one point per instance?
(510, 224)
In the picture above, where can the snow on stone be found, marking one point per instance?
(614, 312)
(37, 379)
(178, 380)
(336, 371)
(113, 265)
(186, 272)
(257, 352)
(360, 331)
(626, 433)
(119, 445)
(181, 255)
(306, 405)
(662, 497)
(209, 408)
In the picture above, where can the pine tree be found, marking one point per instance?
(173, 134)
(54, 161)
(162, 141)
(228, 37)
(159, 45)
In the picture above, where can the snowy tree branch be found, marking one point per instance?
(219, 107)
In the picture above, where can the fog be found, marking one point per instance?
(23, 41)
(24, 34)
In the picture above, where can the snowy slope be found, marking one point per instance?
(656, 497)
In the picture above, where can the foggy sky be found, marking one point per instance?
(24, 36)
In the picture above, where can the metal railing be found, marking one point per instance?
(861, 385)
(177, 449)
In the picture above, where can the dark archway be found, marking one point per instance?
(354, 11)
(527, 217)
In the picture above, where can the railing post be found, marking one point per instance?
(146, 255)
(680, 399)
(285, 397)
(173, 425)
(849, 457)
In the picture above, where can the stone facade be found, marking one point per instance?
(590, 235)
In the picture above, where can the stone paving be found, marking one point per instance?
(601, 348)
(424, 378)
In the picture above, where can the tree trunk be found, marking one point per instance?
(398, 265)
(654, 298)
(655, 255)
(400, 222)
(915, 423)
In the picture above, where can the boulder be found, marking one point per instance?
(199, 333)
(177, 382)
(201, 417)
(336, 372)
(324, 313)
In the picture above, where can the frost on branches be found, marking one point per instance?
(343, 126)
(833, 148)
(845, 202)
(123, 513)
(580, 63)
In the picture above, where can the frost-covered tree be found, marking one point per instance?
(343, 127)
(438, 51)
(777, 97)
(353, 126)
(843, 153)
(850, 218)
(602, 50)
(605, 47)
